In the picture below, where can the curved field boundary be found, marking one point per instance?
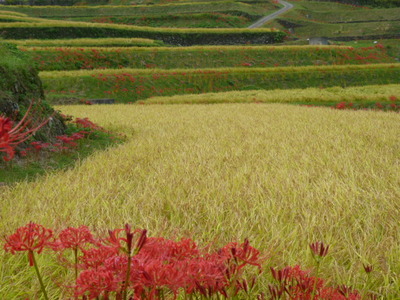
(363, 94)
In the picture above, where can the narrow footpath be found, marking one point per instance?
(262, 21)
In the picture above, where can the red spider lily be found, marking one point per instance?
(118, 242)
(74, 238)
(96, 283)
(67, 140)
(319, 249)
(242, 255)
(348, 292)
(276, 292)
(32, 237)
(281, 275)
(5, 127)
(208, 275)
(38, 145)
(95, 257)
(341, 105)
(151, 276)
(161, 248)
(300, 285)
(86, 123)
(368, 268)
(10, 136)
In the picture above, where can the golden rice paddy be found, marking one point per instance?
(282, 176)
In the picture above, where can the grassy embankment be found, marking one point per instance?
(129, 85)
(282, 176)
(62, 58)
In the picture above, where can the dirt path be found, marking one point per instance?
(262, 21)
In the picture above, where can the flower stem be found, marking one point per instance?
(38, 275)
(128, 271)
(316, 280)
(76, 263)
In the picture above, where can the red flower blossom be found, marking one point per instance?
(5, 140)
(86, 123)
(119, 242)
(73, 238)
(319, 249)
(95, 257)
(32, 237)
(11, 137)
(96, 283)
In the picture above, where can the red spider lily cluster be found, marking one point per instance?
(12, 135)
(297, 284)
(127, 264)
(392, 106)
(87, 124)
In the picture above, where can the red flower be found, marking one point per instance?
(11, 137)
(341, 105)
(32, 237)
(5, 140)
(73, 238)
(86, 123)
(243, 254)
(319, 249)
(115, 239)
(95, 257)
(96, 282)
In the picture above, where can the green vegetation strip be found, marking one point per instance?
(174, 36)
(364, 15)
(28, 169)
(104, 42)
(223, 19)
(129, 85)
(56, 58)
(362, 94)
(17, 18)
(131, 10)
(13, 13)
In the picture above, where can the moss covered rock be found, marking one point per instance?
(19, 86)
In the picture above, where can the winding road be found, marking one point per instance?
(262, 21)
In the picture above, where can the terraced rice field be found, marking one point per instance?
(130, 85)
(279, 175)
(251, 166)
